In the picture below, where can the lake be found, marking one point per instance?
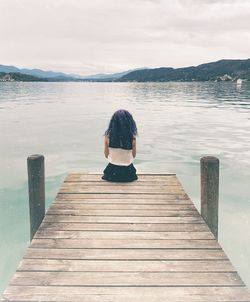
(178, 123)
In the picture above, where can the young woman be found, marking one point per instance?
(120, 147)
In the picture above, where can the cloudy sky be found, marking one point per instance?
(96, 36)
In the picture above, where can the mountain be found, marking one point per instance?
(38, 73)
(60, 76)
(19, 77)
(222, 70)
(205, 72)
(53, 76)
(104, 77)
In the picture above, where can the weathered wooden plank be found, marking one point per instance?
(153, 182)
(160, 185)
(125, 266)
(126, 213)
(47, 233)
(125, 196)
(80, 188)
(124, 294)
(126, 254)
(125, 243)
(112, 199)
(149, 227)
(78, 177)
(120, 219)
(123, 207)
(126, 279)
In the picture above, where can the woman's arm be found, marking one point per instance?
(134, 147)
(106, 146)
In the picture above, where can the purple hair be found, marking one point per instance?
(121, 129)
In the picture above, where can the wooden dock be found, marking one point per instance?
(141, 241)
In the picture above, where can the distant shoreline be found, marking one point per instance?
(223, 70)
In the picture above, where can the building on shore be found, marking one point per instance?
(7, 78)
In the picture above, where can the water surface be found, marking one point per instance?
(178, 123)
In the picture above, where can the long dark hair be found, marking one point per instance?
(121, 130)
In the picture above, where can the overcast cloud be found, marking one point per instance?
(95, 36)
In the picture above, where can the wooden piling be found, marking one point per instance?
(210, 192)
(35, 165)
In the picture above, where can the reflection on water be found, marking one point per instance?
(178, 124)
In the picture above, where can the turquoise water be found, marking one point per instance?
(178, 124)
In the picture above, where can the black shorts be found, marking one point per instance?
(117, 173)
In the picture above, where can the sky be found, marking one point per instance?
(104, 36)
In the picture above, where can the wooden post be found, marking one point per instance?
(210, 192)
(35, 165)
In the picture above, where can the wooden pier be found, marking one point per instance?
(140, 241)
